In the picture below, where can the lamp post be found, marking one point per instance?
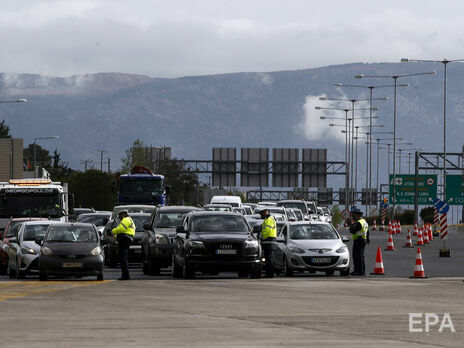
(395, 79)
(445, 63)
(35, 146)
(353, 102)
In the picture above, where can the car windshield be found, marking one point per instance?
(32, 232)
(169, 219)
(97, 220)
(221, 223)
(298, 205)
(75, 234)
(217, 208)
(12, 229)
(312, 232)
(311, 207)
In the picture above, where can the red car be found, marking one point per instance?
(11, 230)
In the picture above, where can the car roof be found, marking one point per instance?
(309, 223)
(27, 219)
(179, 207)
(96, 214)
(226, 213)
(134, 206)
(41, 222)
(77, 224)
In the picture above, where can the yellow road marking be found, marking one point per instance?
(11, 290)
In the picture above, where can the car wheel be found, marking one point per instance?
(285, 269)
(345, 272)
(329, 273)
(187, 271)
(176, 269)
(42, 277)
(100, 277)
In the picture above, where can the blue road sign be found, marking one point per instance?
(436, 201)
(443, 208)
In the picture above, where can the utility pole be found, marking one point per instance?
(86, 163)
(101, 158)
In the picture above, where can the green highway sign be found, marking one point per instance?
(454, 190)
(405, 188)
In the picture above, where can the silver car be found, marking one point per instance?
(23, 252)
(311, 246)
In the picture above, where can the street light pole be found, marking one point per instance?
(35, 151)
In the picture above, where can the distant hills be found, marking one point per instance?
(108, 111)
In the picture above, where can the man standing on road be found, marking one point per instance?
(360, 231)
(268, 240)
(124, 233)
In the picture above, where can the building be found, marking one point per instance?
(11, 158)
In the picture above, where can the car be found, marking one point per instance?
(11, 230)
(312, 246)
(218, 207)
(98, 219)
(239, 210)
(248, 209)
(71, 249)
(307, 208)
(79, 211)
(159, 234)
(324, 214)
(298, 213)
(279, 213)
(234, 201)
(132, 208)
(268, 204)
(23, 252)
(135, 250)
(213, 242)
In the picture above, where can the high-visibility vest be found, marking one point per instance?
(126, 226)
(269, 228)
(362, 233)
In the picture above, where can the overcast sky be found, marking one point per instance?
(171, 38)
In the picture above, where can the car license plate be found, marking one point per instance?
(226, 252)
(73, 264)
(321, 260)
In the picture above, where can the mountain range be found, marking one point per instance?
(108, 111)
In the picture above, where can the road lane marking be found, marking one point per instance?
(12, 290)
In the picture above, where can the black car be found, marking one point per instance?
(70, 249)
(158, 237)
(135, 250)
(212, 242)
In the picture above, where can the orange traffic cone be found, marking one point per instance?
(390, 246)
(420, 241)
(408, 243)
(419, 268)
(415, 230)
(374, 227)
(425, 235)
(378, 270)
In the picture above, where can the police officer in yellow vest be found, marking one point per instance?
(268, 239)
(124, 233)
(360, 233)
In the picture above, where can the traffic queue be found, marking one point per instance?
(252, 240)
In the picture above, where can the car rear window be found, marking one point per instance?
(224, 223)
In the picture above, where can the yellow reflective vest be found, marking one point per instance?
(362, 233)
(126, 226)
(269, 228)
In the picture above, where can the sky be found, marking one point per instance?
(199, 37)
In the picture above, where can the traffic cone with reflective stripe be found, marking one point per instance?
(425, 235)
(393, 230)
(398, 227)
(408, 243)
(420, 241)
(390, 246)
(390, 227)
(382, 228)
(378, 270)
(374, 227)
(415, 230)
(430, 232)
(419, 268)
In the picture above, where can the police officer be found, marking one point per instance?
(124, 233)
(360, 234)
(268, 239)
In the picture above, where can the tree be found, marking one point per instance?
(43, 158)
(4, 130)
(336, 215)
(426, 214)
(185, 187)
(135, 156)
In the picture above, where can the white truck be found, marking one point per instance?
(34, 198)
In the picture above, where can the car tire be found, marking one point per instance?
(42, 277)
(112, 262)
(100, 277)
(188, 271)
(285, 269)
(329, 273)
(345, 272)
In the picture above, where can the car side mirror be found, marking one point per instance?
(38, 241)
(180, 229)
(292, 218)
(345, 239)
(257, 229)
(146, 226)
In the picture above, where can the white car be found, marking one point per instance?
(23, 252)
(311, 246)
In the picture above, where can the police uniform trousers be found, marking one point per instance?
(124, 242)
(358, 256)
(268, 246)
